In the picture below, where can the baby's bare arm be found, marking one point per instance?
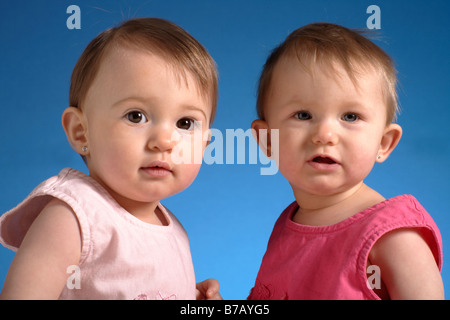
(53, 243)
(407, 266)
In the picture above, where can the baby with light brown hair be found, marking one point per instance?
(106, 235)
(330, 93)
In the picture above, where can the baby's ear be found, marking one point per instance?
(261, 133)
(74, 125)
(391, 137)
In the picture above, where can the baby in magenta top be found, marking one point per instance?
(330, 95)
(138, 91)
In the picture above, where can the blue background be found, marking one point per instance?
(230, 209)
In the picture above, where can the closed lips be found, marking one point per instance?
(158, 165)
(157, 169)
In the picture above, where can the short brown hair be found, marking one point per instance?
(329, 43)
(159, 36)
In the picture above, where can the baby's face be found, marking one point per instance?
(136, 110)
(329, 130)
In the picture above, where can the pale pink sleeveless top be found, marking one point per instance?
(122, 257)
(329, 262)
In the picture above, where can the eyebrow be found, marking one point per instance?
(355, 104)
(132, 98)
(195, 108)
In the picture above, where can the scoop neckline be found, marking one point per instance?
(341, 224)
(122, 212)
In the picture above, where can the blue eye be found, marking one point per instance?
(350, 117)
(136, 117)
(303, 115)
(185, 124)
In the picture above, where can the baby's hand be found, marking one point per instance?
(208, 290)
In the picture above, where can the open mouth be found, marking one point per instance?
(325, 160)
(324, 163)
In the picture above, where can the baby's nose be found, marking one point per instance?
(325, 133)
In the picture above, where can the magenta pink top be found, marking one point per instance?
(122, 257)
(329, 262)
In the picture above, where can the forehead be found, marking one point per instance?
(125, 67)
(129, 60)
(137, 75)
(331, 67)
(319, 80)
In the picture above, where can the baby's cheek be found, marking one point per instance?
(186, 174)
(361, 165)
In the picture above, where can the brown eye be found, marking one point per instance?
(185, 124)
(136, 117)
